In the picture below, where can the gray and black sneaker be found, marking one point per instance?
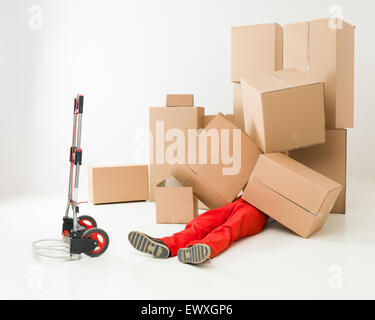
(146, 244)
(196, 254)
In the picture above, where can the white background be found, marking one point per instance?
(124, 56)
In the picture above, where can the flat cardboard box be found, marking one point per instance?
(207, 119)
(180, 100)
(328, 159)
(256, 48)
(237, 106)
(111, 184)
(218, 183)
(283, 110)
(325, 53)
(174, 202)
(182, 118)
(291, 193)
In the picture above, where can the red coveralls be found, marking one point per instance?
(219, 228)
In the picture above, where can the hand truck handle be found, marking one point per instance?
(80, 104)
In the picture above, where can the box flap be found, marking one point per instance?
(278, 80)
(295, 46)
(201, 189)
(294, 77)
(293, 180)
(169, 183)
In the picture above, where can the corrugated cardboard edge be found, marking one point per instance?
(278, 47)
(345, 38)
(324, 211)
(344, 188)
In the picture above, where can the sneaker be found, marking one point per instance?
(146, 244)
(196, 254)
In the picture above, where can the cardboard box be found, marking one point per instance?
(112, 184)
(202, 206)
(217, 183)
(283, 110)
(183, 119)
(207, 119)
(256, 48)
(328, 159)
(180, 100)
(237, 106)
(291, 193)
(324, 49)
(174, 202)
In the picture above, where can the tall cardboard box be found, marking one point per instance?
(174, 202)
(237, 106)
(283, 110)
(324, 49)
(166, 120)
(218, 181)
(291, 193)
(328, 159)
(256, 48)
(111, 184)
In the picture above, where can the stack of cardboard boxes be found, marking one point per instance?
(324, 50)
(283, 150)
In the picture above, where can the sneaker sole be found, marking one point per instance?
(143, 243)
(196, 254)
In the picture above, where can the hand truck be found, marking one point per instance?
(80, 233)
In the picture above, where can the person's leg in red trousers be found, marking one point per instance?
(205, 236)
(199, 227)
(245, 220)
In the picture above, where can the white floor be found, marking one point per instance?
(337, 262)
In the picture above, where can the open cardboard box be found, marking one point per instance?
(217, 184)
(174, 202)
(283, 110)
(291, 193)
